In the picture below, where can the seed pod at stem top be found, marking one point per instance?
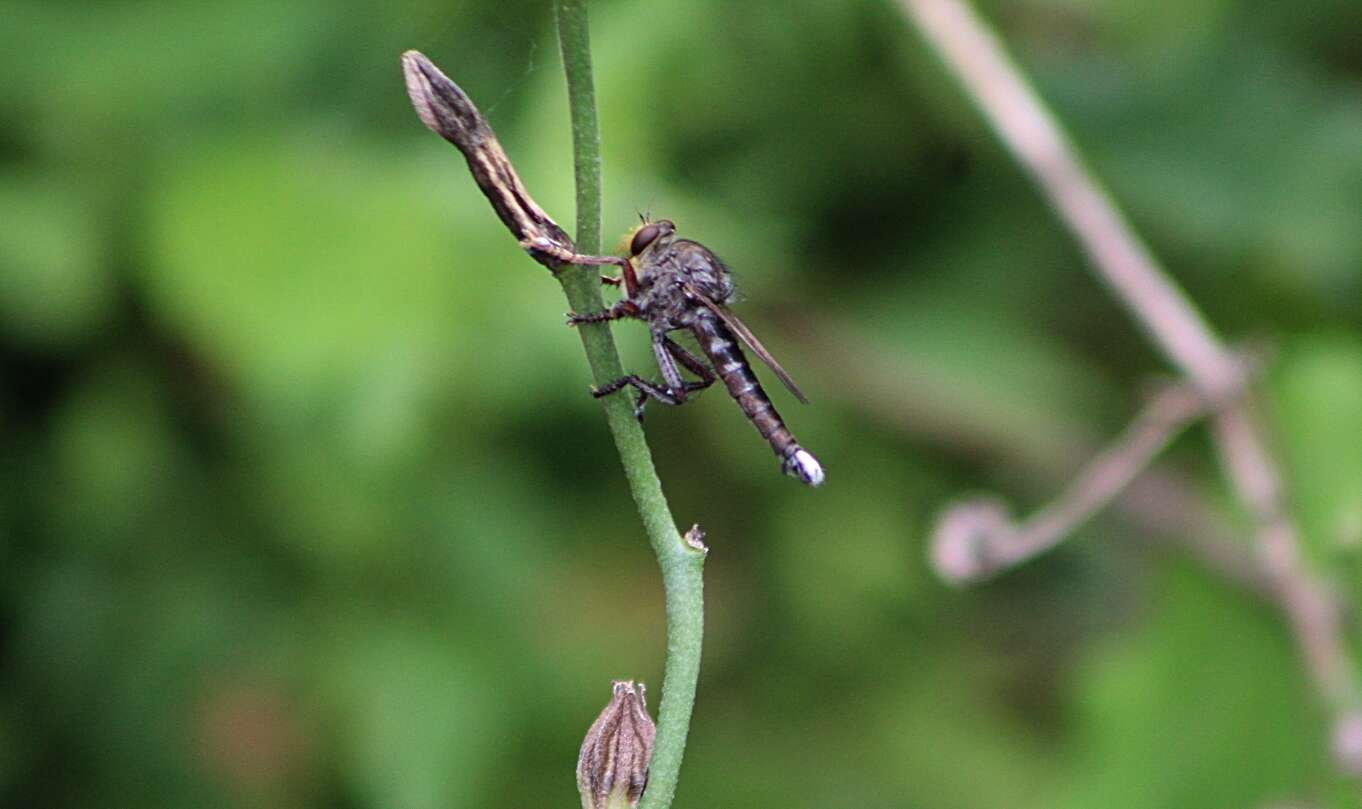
(612, 770)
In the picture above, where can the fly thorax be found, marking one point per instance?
(725, 289)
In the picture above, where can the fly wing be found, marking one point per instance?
(745, 334)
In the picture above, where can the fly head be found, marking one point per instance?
(654, 236)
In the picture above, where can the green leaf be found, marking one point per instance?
(1203, 704)
(421, 725)
(54, 288)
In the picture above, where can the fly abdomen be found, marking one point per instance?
(720, 345)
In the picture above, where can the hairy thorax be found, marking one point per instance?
(662, 293)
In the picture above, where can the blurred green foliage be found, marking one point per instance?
(304, 502)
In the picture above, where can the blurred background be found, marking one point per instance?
(304, 501)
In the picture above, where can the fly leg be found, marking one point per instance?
(548, 251)
(623, 309)
(671, 375)
(668, 351)
(693, 364)
(544, 247)
(646, 390)
(674, 390)
(679, 386)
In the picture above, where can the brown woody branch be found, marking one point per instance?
(976, 539)
(971, 51)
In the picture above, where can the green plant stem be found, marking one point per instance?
(681, 565)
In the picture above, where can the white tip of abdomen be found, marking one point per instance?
(804, 466)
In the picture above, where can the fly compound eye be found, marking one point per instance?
(646, 235)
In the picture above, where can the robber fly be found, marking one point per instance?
(670, 283)
(674, 284)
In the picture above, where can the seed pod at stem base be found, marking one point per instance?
(612, 770)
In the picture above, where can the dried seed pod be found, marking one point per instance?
(612, 770)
